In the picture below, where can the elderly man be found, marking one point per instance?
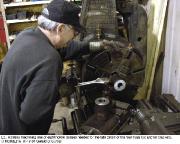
(32, 68)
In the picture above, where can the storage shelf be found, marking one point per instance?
(20, 21)
(16, 25)
(17, 4)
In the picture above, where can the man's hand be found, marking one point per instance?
(116, 45)
(121, 47)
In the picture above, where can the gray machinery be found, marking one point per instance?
(124, 22)
(104, 83)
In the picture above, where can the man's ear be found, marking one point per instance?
(60, 28)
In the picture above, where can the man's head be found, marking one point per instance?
(61, 19)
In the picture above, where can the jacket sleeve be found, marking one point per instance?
(74, 50)
(41, 94)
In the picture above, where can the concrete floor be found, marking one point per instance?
(61, 111)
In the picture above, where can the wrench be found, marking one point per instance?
(96, 81)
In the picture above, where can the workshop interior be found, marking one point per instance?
(134, 90)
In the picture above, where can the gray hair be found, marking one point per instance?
(46, 23)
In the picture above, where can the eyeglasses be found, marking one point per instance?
(75, 32)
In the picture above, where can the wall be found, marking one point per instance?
(171, 74)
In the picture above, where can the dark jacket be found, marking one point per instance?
(29, 83)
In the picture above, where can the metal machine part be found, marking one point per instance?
(99, 17)
(97, 81)
(102, 101)
(106, 106)
(119, 85)
(125, 23)
(69, 80)
(150, 125)
(114, 117)
(103, 120)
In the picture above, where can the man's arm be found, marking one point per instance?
(74, 50)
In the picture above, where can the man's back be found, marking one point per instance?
(29, 84)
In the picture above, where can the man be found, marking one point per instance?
(32, 68)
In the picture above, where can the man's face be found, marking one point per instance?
(65, 34)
